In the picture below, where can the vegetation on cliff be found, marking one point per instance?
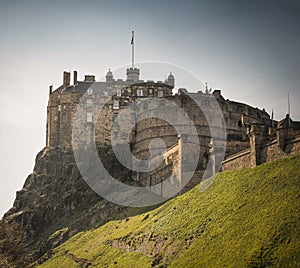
(246, 218)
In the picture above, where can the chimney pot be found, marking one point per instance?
(66, 79)
(75, 78)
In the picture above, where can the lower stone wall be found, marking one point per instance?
(269, 152)
(170, 169)
(273, 152)
(237, 161)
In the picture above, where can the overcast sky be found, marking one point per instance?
(248, 49)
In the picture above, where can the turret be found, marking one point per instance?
(109, 77)
(133, 74)
(171, 80)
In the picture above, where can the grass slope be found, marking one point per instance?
(246, 218)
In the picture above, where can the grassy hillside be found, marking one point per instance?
(246, 218)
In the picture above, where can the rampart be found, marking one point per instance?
(267, 145)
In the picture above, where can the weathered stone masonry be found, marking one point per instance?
(64, 101)
(267, 144)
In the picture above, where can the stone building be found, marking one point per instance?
(120, 94)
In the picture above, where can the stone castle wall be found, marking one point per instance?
(64, 102)
(268, 152)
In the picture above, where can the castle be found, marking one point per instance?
(249, 130)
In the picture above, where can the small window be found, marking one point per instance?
(105, 93)
(90, 91)
(115, 117)
(89, 103)
(89, 117)
(160, 93)
(59, 108)
(123, 136)
(116, 105)
(150, 91)
(139, 92)
(119, 92)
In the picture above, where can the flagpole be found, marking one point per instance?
(289, 108)
(132, 47)
(289, 111)
(272, 119)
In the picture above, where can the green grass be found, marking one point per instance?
(246, 218)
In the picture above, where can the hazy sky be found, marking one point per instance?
(249, 49)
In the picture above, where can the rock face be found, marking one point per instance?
(54, 197)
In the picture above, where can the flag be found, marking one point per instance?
(132, 38)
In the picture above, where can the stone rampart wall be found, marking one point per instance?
(268, 152)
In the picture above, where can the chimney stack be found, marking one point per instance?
(89, 78)
(50, 89)
(66, 79)
(75, 78)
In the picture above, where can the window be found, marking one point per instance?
(119, 92)
(89, 117)
(133, 118)
(59, 108)
(64, 118)
(123, 136)
(116, 105)
(139, 92)
(89, 103)
(105, 93)
(90, 91)
(160, 93)
(150, 91)
(115, 117)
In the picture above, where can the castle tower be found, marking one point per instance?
(133, 74)
(284, 131)
(171, 80)
(109, 77)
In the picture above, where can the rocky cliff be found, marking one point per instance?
(54, 197)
